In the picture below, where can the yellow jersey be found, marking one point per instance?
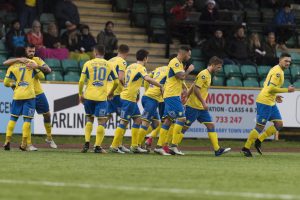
(275, 78)
(97, 71)
(160, 75)
(31, 3)
(37, 84)
(203, 81)
(173, 86)
(119, 64)
(134, 75)
(24, 79)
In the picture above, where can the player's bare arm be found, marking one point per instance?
(198, 94)
(183, 75)
(153, 82)
(111, 92)
(121, 75)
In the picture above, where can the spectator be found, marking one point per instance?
(256, 50)
(30, 10)
(270, 47)
(86, 39)
(53, 45)
(215, 46)
(15, 37)
(35, 36)
(66, 14)
(108, 39)
(238, 48)
(283, 19)
(184, 31)
(209, 14)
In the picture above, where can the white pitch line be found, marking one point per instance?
(150, 189)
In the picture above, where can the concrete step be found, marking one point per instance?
(93, 5)
(117, 29)
(133, 37)
(117, 22)
(99, 13)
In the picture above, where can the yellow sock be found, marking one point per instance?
(9, 130)
(119, 133)
(177, 131)
(29, 139)
(48, 129)
(25, 133)
(134, 135)
(213, 136)
(99, 135)
(269, 132)
(142, 133)
(162, 135)
(155, 132)
(88, 131)
(170, 135)
(251, 138)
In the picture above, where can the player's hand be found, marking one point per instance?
(31, 65)
(110, 96)
(23, 60)
(279, 99)
(205, 106)
(190, 68)
(291, 88)
(81, 99)
(162, 90)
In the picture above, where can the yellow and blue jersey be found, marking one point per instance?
(134, 75)
(160, 76)
(37, 84)
(203, 81)
(173, 86)
(275, 78)
(119, 64)
(24, 79)
(97, 71)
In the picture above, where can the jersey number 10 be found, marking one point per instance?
(99, 73)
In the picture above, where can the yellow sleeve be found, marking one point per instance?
(200, 80)
(177, 67)
(39, 74)
(274, 79)
(113, 73)
(146, 83)
(82, 79)
(274, 89)
(122, 66)
(9, 78)
(143, 72)
(39, 61)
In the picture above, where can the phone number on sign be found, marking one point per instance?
(230, 120)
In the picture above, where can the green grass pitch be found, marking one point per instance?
(68, 174)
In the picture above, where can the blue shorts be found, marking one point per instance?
(23, 107)
(114, 105)
(193, 114)
(41, 104)
(129, 109)
(161, 109)
(95, 108)
(150, 109)
(174, 108)
(267, 113)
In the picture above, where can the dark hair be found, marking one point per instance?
(172, 56)
(239, 27)
(20, 52)
(100, 49)
(287, 5)
(29, 45)
(215, 61)
(14, 21)
(285, 55)
(185, 48)
(141, 54)
(123, 48)
(84, 26)
(108, 23)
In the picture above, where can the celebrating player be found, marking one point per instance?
(94, 98)
(266, 105)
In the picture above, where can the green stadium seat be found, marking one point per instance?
(248, 71)
(197, 53)
(71, 77)
(297, 84)
(47, 18)
(121, 5)
(70, 65)
(295, 57)
(232, 71)
(261, 83)
(10, 17)
(250, 83)
(156, 7)
(199, 66)
(263, 71)
(295, 72)
(286, 84)
(139, 14)
(81, 63)
(54, 64)
(218, 81)
(234, 82)
(287, 74)
(2, 74)
(292, 42)
(3, 51)
(168, 5)
(54, 76)
(253, 16)
(268, 15)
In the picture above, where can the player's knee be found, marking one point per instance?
(181, 120)
(167, 122)
(145, 123)
(259, 128)
(278, 125)
(13, 118)
(102, 122)
(137, 121)
(47, 117)
(90, 119)
(210, 126)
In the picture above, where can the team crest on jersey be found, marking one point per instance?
(180, 113)
(277, 75)
(177, 65)
(124, 63)
(172, 114)
(203, 77)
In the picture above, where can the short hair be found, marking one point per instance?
(108, 23)
(284, 54)
(29, 45)
(100, 49)
(172, 56)
(20, 52)
(215, 61)
(123, 48)
(184, 48)
(141, 54)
